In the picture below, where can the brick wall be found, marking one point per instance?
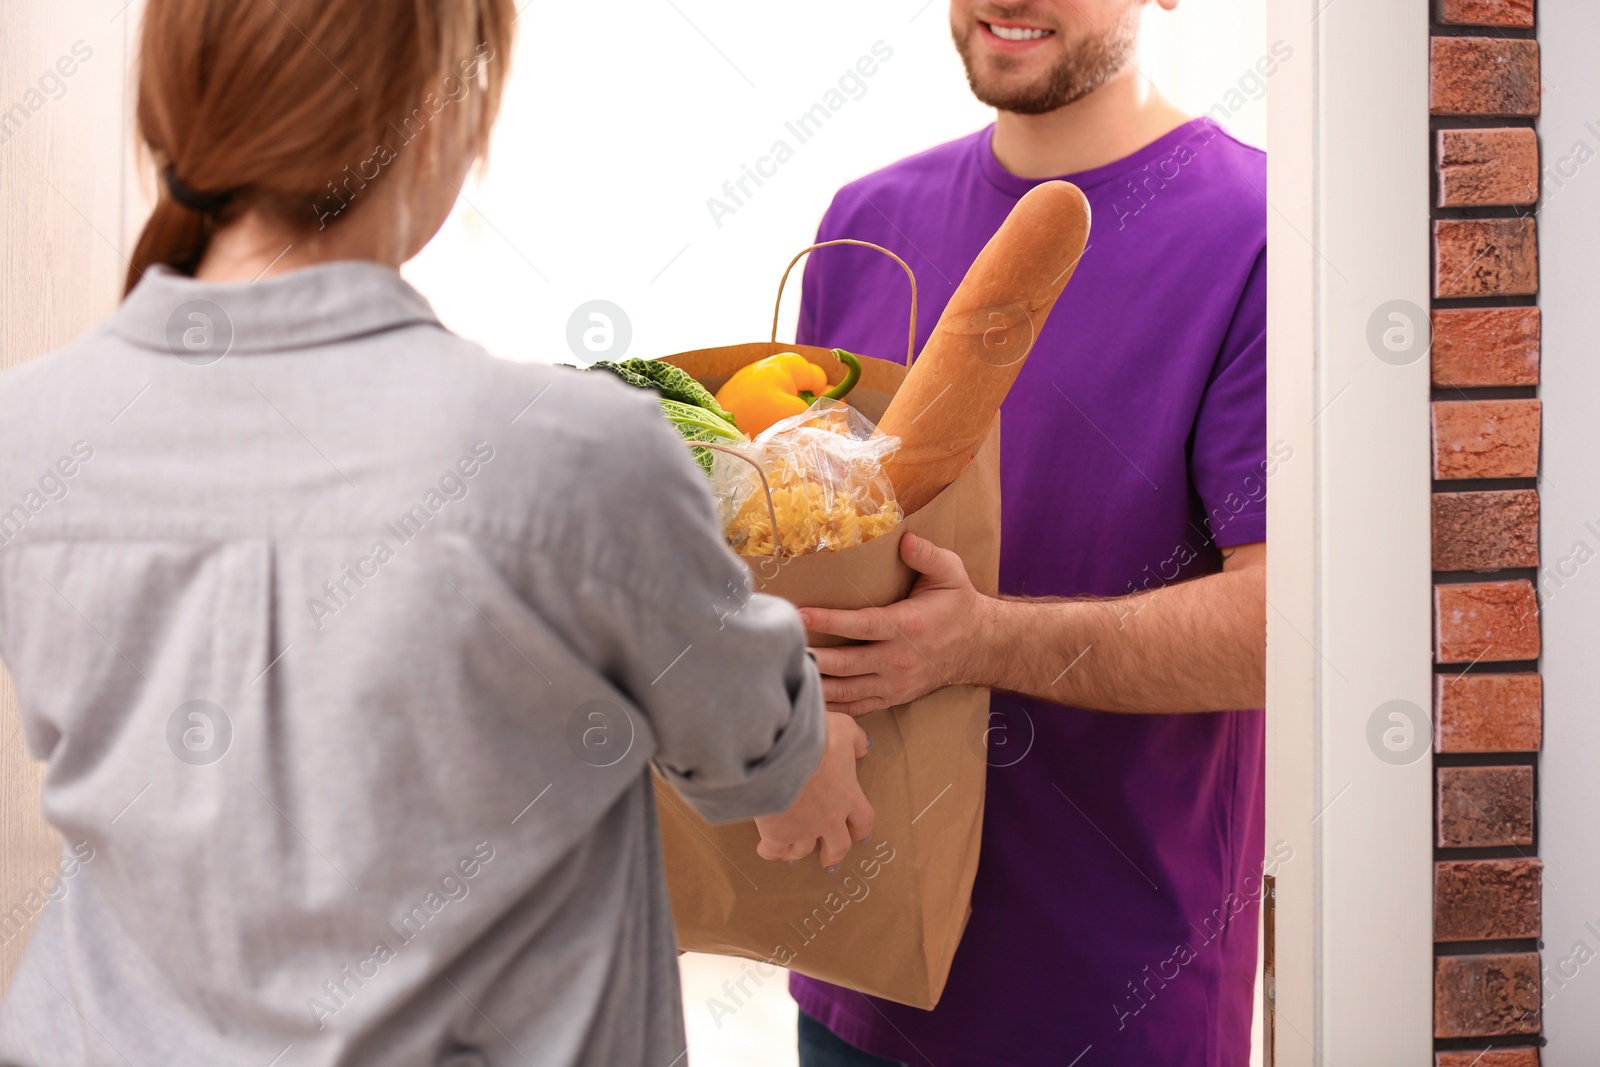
(1486, 428)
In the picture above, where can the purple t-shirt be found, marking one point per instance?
(1114, 913)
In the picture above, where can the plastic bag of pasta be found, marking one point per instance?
(824, 470)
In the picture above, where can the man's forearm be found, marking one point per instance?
(1198, 645)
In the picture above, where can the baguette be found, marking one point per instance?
(952, 394)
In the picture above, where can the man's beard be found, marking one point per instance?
(1083, 68)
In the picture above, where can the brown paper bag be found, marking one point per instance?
(888, 921)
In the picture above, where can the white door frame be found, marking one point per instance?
(1569, 792)
(1350, 621)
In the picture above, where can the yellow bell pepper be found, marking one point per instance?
(773, 389)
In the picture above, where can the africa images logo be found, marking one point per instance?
(199, 732)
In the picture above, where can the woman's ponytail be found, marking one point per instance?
(174, 236)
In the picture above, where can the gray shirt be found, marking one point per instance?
(349, 649)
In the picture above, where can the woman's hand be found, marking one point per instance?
(831, 807)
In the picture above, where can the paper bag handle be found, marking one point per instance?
(772, 512)
(911, 339)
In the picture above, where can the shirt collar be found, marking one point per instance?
(1200, 131)
(318, 305)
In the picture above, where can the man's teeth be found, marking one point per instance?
(1017, 33)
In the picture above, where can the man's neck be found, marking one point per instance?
(1114, 121)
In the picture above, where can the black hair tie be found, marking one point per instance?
(193, 199)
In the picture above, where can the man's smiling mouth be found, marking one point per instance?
(1017, 33)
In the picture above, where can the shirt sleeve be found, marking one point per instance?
(1228, 462)
(721, 673)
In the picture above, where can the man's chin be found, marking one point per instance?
(1049, 78)
(1035, 97)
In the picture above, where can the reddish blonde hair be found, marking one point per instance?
(294, 106)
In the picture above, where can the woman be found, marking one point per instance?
(349, 648)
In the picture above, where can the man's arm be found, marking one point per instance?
(1198, 645)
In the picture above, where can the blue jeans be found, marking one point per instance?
(821, 1047)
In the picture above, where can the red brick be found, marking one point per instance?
(1484, 807)
(1486, 900)
(1485, 531)
(1485, 257)
(1499, 1057)
(1486, 346)
(1486, 438)
(1483, 76)
(1517, 14)
(1485, 622)
(1488, 168)
(1488, 713)
(1479, 996)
